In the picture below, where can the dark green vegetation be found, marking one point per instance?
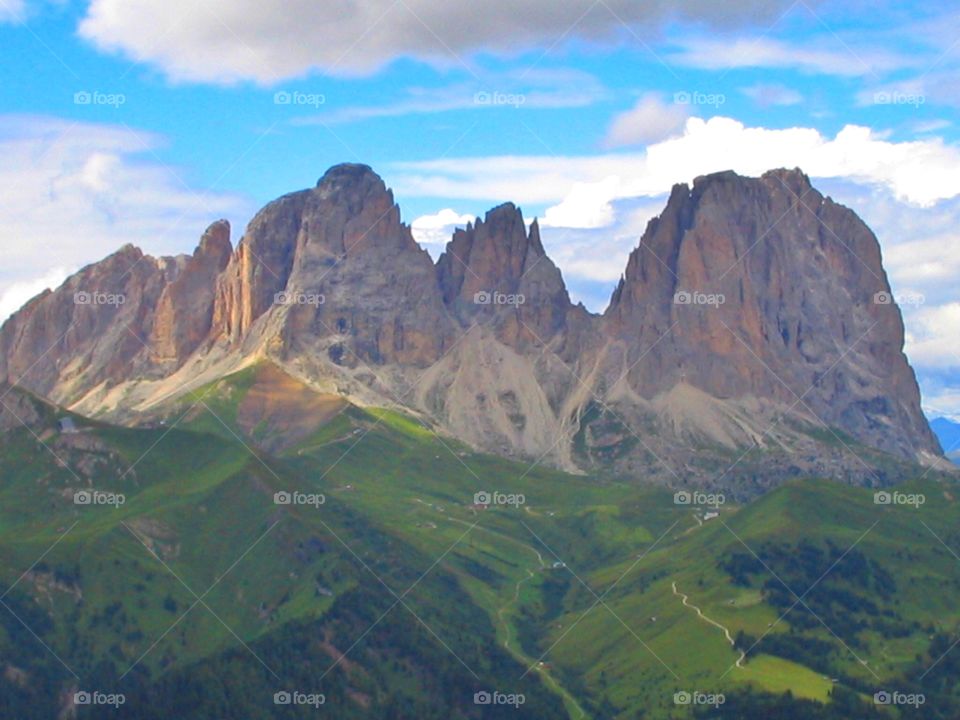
(199, 597)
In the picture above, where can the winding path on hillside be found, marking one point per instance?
(569, 700)
(686, 602)
(503, 608)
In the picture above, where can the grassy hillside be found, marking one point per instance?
(400, 595)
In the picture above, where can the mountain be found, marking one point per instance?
(752, 338)
(948, 432)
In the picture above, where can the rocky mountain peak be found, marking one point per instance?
(349, 174)
(498, 268)
(215, 241)
(353, 186)
(762, 288)
(333, 269)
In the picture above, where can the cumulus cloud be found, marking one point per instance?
(649, 120)
(269, 40)
(587, 205)
(74, 192)
(920, 172)
(435, 230)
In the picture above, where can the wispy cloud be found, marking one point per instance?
(75, 192)
(767, 95)
(825, 57)
(546, 89)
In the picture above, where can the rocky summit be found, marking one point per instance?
(752, 338)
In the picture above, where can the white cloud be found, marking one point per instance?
(600, 254)
(926, 261)
(929, 126)
(587, 205)
(15, 295)
(649, 120)
(536, 89)
(767, 95)
(932, 337)
(435, 230)
(921, 172)
(942, 400)
(833, 58)
(74, 192)
(269, 40)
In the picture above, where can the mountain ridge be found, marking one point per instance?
(753, 317)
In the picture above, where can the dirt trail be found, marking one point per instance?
(569, 700)
(726, 632)
(503, 608)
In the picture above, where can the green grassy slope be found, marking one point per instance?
(574, 596)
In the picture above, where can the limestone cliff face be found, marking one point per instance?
(259, 268)
(335, 263)
(496, 271)
(91, 330)
(754, 313)
(127, 316)
(185, 310)
(764, 288)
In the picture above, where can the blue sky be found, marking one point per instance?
(142, 121)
